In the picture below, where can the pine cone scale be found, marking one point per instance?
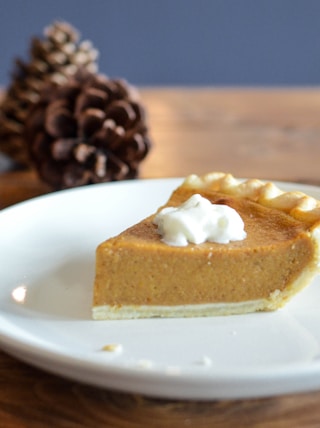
(90, 121)
(92, 98)
(61, 124)
(61, 149)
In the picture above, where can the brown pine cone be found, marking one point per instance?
(90, 130)
(55, 57)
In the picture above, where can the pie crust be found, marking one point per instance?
(137, 275)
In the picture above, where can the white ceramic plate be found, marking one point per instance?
(47, 250)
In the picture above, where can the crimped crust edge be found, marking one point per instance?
(295, 203)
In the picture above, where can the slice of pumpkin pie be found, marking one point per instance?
(219, 246)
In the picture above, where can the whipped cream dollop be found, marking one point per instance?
(198, 220)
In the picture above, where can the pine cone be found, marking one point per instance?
(53, 58)
(90, 130)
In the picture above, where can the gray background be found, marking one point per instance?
(180, 42)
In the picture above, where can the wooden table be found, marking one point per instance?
(273, 133)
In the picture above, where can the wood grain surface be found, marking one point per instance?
(265, 133)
